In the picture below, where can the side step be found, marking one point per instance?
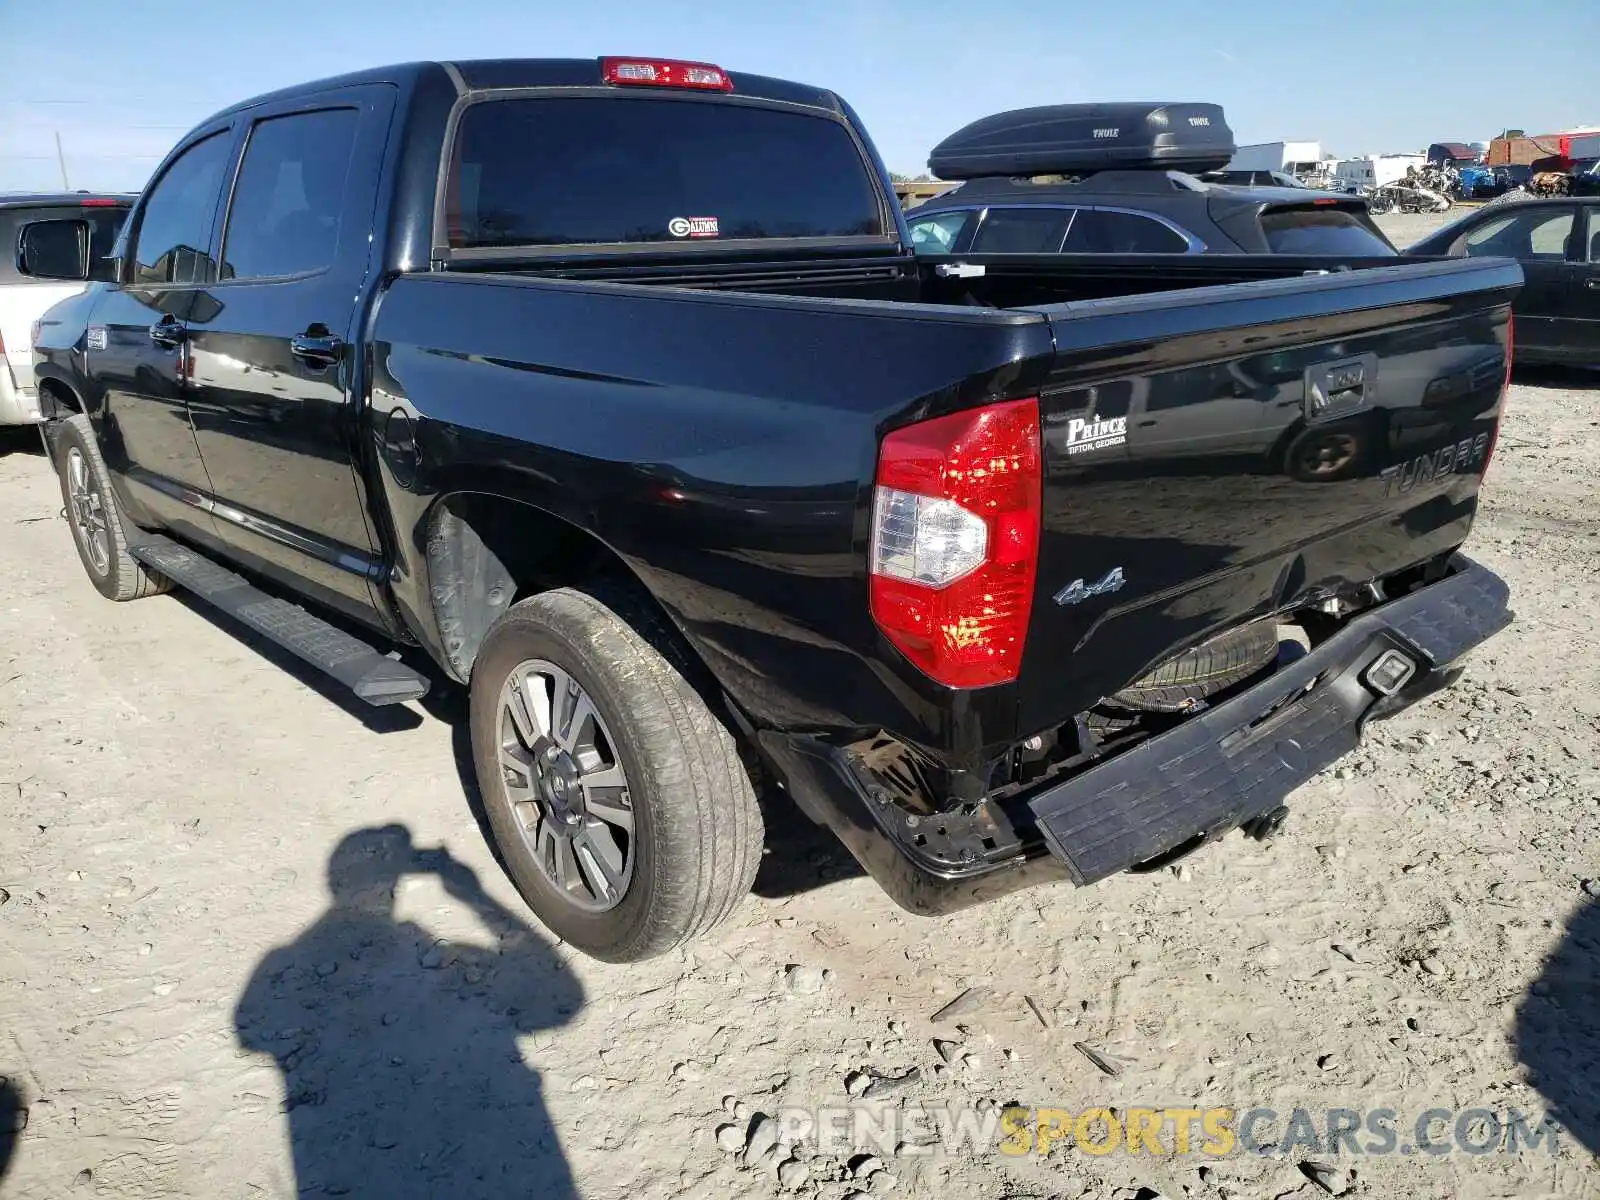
(372, 676)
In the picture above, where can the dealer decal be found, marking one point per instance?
(693, 227)
(1101, 434)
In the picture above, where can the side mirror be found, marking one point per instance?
(54, 250)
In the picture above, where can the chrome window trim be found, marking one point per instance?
(1192, 244)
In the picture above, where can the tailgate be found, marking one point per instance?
(1217, 454)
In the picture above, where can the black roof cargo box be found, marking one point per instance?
(1062, 138)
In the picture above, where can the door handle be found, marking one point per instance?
(316, 351)
(168, 331)
(1592, 283)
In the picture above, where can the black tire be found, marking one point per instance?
(1212, 666)
(696, 829)
(98, 530)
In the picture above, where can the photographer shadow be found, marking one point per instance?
(1558, 1029)
(401, 1071)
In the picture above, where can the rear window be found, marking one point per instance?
(595, 171)
(1105, 231)
(104, 222)
(1322, 231)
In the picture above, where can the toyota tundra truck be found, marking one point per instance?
(613, 391)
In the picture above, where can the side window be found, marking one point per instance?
(937, 234)
(1540, 234)
(1022, 231)
(1594, 235)
(284, 217)
(175, 225)
(1103, 232)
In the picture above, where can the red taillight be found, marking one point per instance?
(955, 541)
(664, 72)
(97, 202)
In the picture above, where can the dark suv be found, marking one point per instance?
(1140, 212)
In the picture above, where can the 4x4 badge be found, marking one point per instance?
(1078, 591)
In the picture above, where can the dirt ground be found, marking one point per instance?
(187, 1009)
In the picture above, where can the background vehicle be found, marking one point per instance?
(615, 388)
(1513, 176)
(1586, 178)
(1557, 241)
(1141, 212)
(1291, 158)
(23, 298)
(1374, 171)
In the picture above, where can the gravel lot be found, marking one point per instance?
(186, 1009)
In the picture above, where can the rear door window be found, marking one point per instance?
(1323, 231)
(1102, 231)
(1539, 234)
(581, 171)
(1022, 231)
(284, 217)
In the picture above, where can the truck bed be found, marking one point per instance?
(722, 443)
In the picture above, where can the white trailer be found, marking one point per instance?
(1375, 170)
(1297, 158)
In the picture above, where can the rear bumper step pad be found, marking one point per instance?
(1241, 758)
(372, 676)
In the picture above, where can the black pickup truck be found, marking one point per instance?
(616, 387)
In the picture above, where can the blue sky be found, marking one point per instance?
(1353, 73)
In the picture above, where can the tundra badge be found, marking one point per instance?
(1078, 591)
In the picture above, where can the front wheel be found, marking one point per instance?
(97, 527)
(617, 798)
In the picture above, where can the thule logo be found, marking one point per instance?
(1078, 591)
(1099, 434)
(1106, 133)
(1198, 121)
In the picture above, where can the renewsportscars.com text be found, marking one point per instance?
(1208, 1132)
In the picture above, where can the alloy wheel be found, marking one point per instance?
(562, 778)
(88, 514)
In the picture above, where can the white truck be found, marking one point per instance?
(1374, 170)
(23, 299)
(1295, 158)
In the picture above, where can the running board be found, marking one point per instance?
(372, 676)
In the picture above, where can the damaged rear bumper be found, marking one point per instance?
(1222, 768)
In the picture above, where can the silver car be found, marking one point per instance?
(24, 300)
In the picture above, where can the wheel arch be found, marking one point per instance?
(63, 399)
(486, 551)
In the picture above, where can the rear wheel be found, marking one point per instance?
(617, 799)
(97, 525)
